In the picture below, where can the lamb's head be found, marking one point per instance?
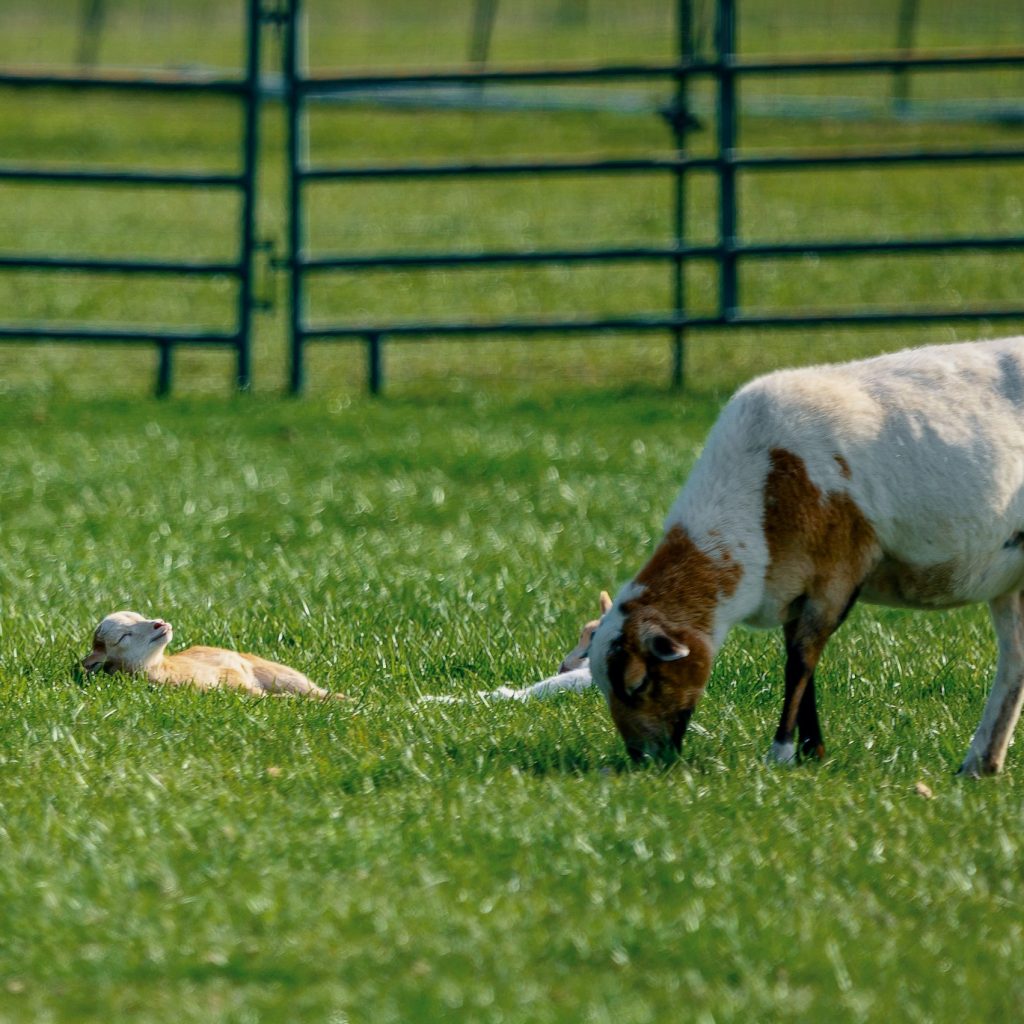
(577, 657)
(652, 674)
(127, 642)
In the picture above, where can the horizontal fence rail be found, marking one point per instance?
(440, 329)
(323, 83)
(117, 335)
(159, 179)
(124, 81)
(731, 158)
(452, 260)
(115, 266)
(726, 68)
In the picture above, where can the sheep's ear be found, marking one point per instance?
(606, 602)
(661, 646)
(93, 660)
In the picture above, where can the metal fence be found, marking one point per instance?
(301, 87)
(246, 91)
(726, 68)
(728, 162)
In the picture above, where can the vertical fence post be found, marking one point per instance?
(680, 123)
(250, 157)
(374, 363)
(484, 13)
(293, 108)
(905, 45)
(725, 45)
(165, 368)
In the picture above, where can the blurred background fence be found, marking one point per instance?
(684, 165)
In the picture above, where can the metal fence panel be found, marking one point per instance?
(246, 91)
(719, 62)
(726, 68)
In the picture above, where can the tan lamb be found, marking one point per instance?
(128, 642)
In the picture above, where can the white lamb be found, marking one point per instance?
(573, 674)
(897, 480)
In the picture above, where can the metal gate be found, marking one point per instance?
(728, 163)
(246, 91)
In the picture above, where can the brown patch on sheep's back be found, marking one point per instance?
(822, 546)
(681, 577)
(818, 545)
(844, 467)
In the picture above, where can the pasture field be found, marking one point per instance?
(168, 856)
(176, 857)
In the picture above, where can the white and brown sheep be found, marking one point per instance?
(897, 480)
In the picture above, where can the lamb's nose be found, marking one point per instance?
(159, 624)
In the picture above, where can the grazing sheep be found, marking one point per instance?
(898, 480)
(127, 642)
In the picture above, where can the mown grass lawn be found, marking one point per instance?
(176, 857)
(168, 856)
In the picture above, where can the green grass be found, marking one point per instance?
(169, 856)
(177, 857)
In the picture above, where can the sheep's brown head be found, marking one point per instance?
(127, 642)
(652, 675)
(652, 653)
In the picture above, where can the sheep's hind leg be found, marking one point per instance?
(243, 682)
(987, 751)
(298, 685)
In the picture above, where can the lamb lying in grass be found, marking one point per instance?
(573, 674)
(127, 642)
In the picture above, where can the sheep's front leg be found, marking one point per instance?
(812, 744)
(987, 751)
(806, 637)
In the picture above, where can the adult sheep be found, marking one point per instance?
(897, 480)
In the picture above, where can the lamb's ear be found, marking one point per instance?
(93, 660)
(606, 602)
(661, 646)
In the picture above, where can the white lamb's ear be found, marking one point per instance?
(606, 602)
(661, 646)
